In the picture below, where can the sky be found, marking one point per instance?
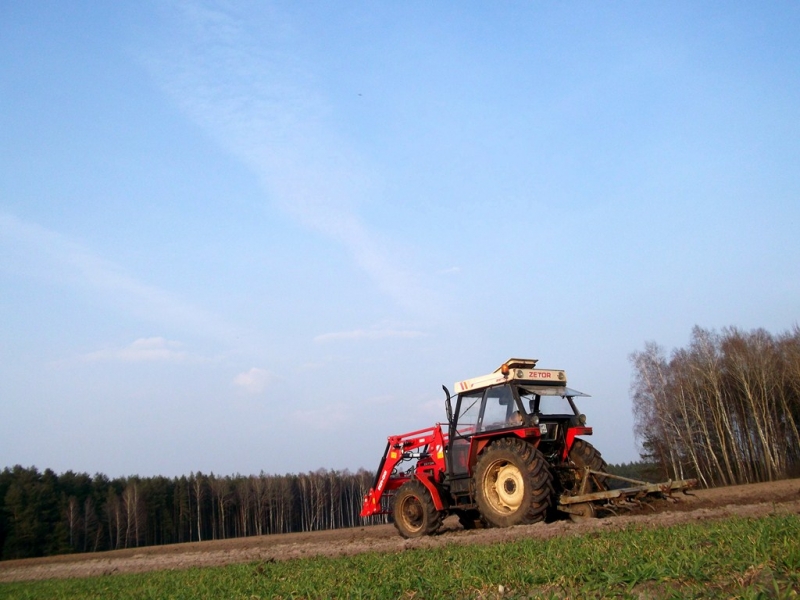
(260, 236)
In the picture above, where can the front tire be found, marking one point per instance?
(513, 483)
(413, 511)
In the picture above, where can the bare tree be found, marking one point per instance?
(73, 522)
(113, 510)
(726, 408)
(135, 514)
(199, 490)
(244, 503)
(221, 492)
(91, 526)
(259, 492)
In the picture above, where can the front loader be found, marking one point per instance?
(509, 455)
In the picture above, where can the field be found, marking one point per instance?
(740, 541)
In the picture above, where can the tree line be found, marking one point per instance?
(725, 409)
(42, 513)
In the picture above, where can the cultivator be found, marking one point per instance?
(613, 501)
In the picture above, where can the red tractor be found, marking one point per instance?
(510, 456)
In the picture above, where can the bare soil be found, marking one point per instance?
(755, 500)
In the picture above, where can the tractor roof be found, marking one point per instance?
(521, 370)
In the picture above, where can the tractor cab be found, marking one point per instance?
(517, 400)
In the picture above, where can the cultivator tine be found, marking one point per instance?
(628, 504)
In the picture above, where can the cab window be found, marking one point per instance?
(468, 411)
(499, 409)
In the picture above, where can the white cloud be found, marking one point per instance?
(144, 349)
(254, 381)
(251, 91)
(31, 250)
(367, 334)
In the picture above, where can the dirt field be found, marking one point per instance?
(750, 500)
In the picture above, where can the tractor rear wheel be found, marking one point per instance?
(513, 483)
(414, 512)
(582, 455)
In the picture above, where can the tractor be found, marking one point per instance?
(509, 455)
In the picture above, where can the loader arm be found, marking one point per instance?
(429, 445)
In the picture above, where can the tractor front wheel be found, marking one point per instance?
(513, 483)
(413, 511)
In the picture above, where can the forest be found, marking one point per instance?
(43, 513)
(725, 409)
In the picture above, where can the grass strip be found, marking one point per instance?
(736, 557)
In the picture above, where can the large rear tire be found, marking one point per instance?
(582, 455)
(413, 511)
(513, 483)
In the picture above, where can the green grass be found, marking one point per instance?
(734, 558)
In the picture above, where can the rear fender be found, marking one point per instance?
(569, 439)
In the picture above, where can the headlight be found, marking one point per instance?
(582, 419)
(535, 419)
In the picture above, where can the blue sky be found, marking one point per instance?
(245, 236)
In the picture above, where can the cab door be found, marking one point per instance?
(479, 412)
(468, 410)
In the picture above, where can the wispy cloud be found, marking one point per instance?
(336, 415)
(449, 271)
(254, 381)
(28, 249)
(246, 85)
(154, 349)
(367, 334)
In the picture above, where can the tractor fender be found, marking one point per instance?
(570, 439)
(479, 442)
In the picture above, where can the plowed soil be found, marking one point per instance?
(747, 500)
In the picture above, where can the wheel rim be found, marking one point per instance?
(504, 487)
(412, 513)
